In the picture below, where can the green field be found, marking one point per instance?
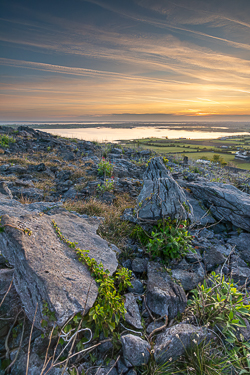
(197, 149)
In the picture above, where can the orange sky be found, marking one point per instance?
(102, 58)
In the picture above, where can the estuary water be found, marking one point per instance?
(103, 134)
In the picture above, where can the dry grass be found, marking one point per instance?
(20, 160)
(25, 200)
(46, 185)
(113, 229)
(11, 178)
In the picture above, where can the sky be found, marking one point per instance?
(82, 60)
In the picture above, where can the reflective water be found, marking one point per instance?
(102, 134)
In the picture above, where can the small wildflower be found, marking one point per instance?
(194, 341)
(170, 359)
(177, 335)
(195, 354)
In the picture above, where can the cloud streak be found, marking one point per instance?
(138, 56)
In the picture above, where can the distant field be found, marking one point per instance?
(194, 149)
(163, 150)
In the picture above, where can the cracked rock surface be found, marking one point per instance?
(226, 202)
(46, 269)
(164, 296)
(161, 197)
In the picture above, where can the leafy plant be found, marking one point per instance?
(122, 279)
(219, 303)
(108, 185)
(105, 168)
(169, 240)
(5, 140)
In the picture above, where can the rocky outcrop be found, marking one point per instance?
(226, 202)
(161, 197)
(47, 269)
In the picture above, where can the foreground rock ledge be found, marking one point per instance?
(47, 269)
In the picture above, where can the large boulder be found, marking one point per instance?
(164, 296)
(161, 197)
(46, 269)
(226, 202)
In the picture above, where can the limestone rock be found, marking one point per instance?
(212, 258)
(136, 351)
(161, 197)
(139, 265)
(11, 304)
(174, 341)
(47, 269)
(5, 190)
(164, 296)
(242, 243)
(189, 279)
(226, 202)
(132, 315)
(137, 286)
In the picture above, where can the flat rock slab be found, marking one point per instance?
(13, 207)
(226, 202)
(48, 270)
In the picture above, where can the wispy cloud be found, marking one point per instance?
(183, 61)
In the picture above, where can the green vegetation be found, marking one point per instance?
(205, 358)
(108, 185)
(222, 306)
(199, 148)
(109, 306)
(219, 302)
(105, 168)
(169, 240)
(218, 159)
(5, 140)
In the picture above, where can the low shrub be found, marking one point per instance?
(5, 140)
(105, 168)
(108, 185)
(169, 240)
(219, 303)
